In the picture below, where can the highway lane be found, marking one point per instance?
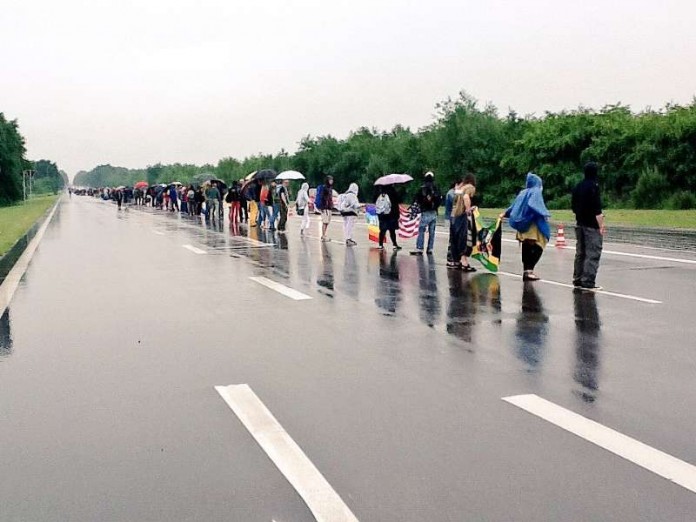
(389, 378)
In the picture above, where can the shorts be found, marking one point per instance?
(326, 217)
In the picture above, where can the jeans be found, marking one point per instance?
(588, 251)
(263, 214)
(211, 208)
(428, 220)
(275, 212)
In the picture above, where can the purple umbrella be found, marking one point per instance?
(392, 179)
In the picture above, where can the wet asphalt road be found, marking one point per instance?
(390, 378)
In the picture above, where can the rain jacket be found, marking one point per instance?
(303, 196)
(351, 205)
(529, 208)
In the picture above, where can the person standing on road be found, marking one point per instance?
(589, 230)
(243, 204)
(263, 210)
(191, 194)
(427, 200)
(272, 207)
(389, 216)
(324, 202)
(349, 206)
(462, 224)
(283, 204)
(232, 198)
(118, 196)
(530, 217)
(174, 198)
(211, 201)
(302, 204)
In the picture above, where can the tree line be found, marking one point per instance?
(647, 158)
(46, 179)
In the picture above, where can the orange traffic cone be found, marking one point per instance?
(560, 236)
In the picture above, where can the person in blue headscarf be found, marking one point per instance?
(529, 216)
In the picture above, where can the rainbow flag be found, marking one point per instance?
(372, 223)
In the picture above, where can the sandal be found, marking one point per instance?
(452, 264)
(468, 268)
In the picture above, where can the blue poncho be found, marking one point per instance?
(529, 208)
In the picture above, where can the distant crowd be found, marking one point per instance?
(265, 203)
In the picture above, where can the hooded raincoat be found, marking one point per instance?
(529, 211)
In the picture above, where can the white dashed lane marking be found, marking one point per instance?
(281, 289)
(321, 499)
(647, 457)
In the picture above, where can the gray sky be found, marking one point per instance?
(134, 82)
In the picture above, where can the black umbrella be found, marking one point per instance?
(265, 174)
(222, 186)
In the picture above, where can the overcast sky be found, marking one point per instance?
(136, 82)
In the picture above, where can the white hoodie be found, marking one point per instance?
(351, 199)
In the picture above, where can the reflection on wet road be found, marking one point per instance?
(389, 378)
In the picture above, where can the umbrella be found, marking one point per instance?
(141, 184)
(250, 176)
(391, 179)
(175, 183)
(290, 174)
(265, 174)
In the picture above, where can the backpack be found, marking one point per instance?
(317, 197)
(383, 204)
(343, 203)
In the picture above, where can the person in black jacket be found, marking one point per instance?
(389, 222)
(428, 200)
(589, 230)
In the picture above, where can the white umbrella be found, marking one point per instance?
(391, 179)
(250, 176)
(290, 174)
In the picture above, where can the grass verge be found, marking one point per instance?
(15, 220)
(684, 219)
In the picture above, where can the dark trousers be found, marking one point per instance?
(243, 211)
(531, 253)
(387, 223)
(283, 216)
(588, 251)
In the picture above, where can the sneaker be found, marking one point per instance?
(380, 247)
(591, 287)
(416, 252)
(397, 247)
(530, 276)
(325, 239)
(429, 252)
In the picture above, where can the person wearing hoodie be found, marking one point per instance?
(303, 207)
(349, 207)
(529, 216)
(590, 229)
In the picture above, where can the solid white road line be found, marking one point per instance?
(194, 249)
(281, 289)
(667, 466)
(603, 292)
(14, 276)
(158, 232)
(321, 499)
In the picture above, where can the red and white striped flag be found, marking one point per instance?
(408, 225)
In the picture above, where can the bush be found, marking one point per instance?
(560, 203)
(650, 189)
(682, 200)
